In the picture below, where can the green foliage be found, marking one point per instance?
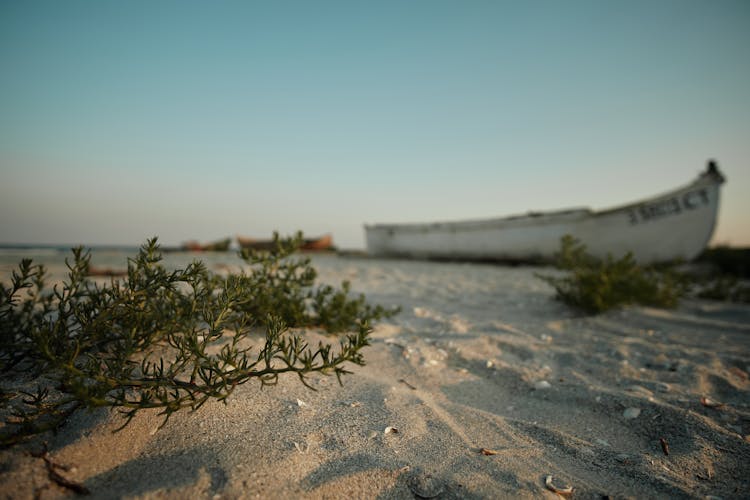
(165, 339)
(595, 285)
(283, 286)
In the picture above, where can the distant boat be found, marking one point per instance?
(321, 243)
(214, 246)
(674, 225)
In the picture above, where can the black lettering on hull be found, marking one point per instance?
(691, 200)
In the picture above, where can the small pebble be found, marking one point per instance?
(631, 413)
(542, 385)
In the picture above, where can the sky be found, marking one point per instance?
(121, 120)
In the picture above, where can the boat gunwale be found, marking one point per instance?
(546, 217)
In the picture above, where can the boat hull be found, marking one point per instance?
(671, 226)
(319, 244)
(215, 246)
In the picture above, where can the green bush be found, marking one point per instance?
(595, 285)
(285, 288)
(165, 339)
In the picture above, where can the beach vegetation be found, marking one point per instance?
(167, 339)
(595, 285)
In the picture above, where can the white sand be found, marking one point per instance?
(480, 357)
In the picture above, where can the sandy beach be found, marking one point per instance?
(482, 387)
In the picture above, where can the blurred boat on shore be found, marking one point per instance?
(674, 225)
(321, 243)
(214, 246)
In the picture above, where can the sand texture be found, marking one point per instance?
(482, 387)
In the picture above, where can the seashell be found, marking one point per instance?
(390, 430)
(301, 403)
(300, 448)
(487, 451)
(566, 491)
(542, 385)
(663, 387)
(710, 403)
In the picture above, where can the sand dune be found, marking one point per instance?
(481, 357)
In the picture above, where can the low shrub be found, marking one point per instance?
(595, 285)
(165, 339)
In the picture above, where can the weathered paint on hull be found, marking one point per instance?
(674, 225)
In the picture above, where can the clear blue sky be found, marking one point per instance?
(124, 119)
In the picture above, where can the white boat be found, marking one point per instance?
(673, 225)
